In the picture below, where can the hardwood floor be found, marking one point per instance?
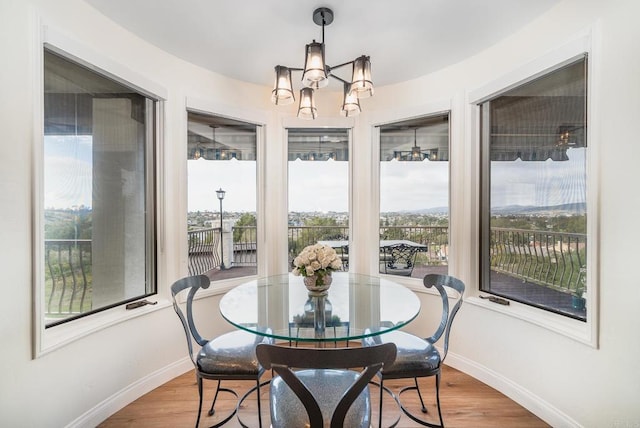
(465, 402)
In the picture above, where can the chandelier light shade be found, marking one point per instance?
(416, 154)
(350, 103)
(361, 79)
(282, 93)
(316, 73)
(307, 109)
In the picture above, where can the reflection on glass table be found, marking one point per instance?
(281, 307)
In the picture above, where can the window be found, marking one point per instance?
(222, 196)
(99, 229)
(318, 190)
(534, 175)
(414, 196)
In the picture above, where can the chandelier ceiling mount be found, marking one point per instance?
(316, 73)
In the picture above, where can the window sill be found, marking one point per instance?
(574, 329)
(218, 288)
(61, 335)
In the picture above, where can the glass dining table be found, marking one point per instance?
(355, 307)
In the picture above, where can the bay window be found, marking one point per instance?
(318, 174)
(222, 196)
(414, 196)
(98, 192)
(534, 193)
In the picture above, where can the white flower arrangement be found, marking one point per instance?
(316, 259)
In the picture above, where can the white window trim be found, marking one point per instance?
(47, 340)
(584, 332)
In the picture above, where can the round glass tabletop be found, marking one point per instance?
(356, 306)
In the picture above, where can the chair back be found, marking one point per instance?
(283, 360)
(441, 283)
(193, 283)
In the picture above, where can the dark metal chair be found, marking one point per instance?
(398, 259)
(230, 356)
(419, 357)
(322, 392)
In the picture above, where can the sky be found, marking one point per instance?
(545, 183)
(323, 186)
(67, 171)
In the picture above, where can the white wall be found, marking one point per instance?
(83, 382)
(563, 380)
(566, 382)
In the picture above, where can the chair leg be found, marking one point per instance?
(200, 403)
(215, 397)
(259, 409)
(438, 399)
(380, 406)
(424, 408)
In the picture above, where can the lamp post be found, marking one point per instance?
(220, 193)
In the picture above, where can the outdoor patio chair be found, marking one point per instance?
(398, 259)
(419, 357)
(230, 356)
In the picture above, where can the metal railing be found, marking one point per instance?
(302, 236)
(552, 259)
(204, 250)
(436, 238)
(68, 276)
(244, 246)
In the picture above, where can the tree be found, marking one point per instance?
(244, 229)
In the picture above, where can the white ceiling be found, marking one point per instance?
(245, 39)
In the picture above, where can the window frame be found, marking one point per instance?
(431, 114)
(584, 332)
(45, 340)
(341, 125)
(201, 107)
(434, 107)
(210, 107)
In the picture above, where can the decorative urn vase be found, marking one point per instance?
(318, 284)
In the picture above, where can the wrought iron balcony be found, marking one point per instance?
(550, 261)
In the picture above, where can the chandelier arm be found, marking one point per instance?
(341, 65)
(339, 78)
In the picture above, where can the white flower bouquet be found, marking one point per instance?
(316, 260)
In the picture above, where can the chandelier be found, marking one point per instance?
(416, 154)
(316, 73)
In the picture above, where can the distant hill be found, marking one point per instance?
(574, 208)
(432, 211)
(567, 209)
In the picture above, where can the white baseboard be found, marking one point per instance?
(536, 405)
(127, 395)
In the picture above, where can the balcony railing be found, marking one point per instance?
(553, 260)
(68, 276)
(302, 236)
(204, 250)
(436, 238)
